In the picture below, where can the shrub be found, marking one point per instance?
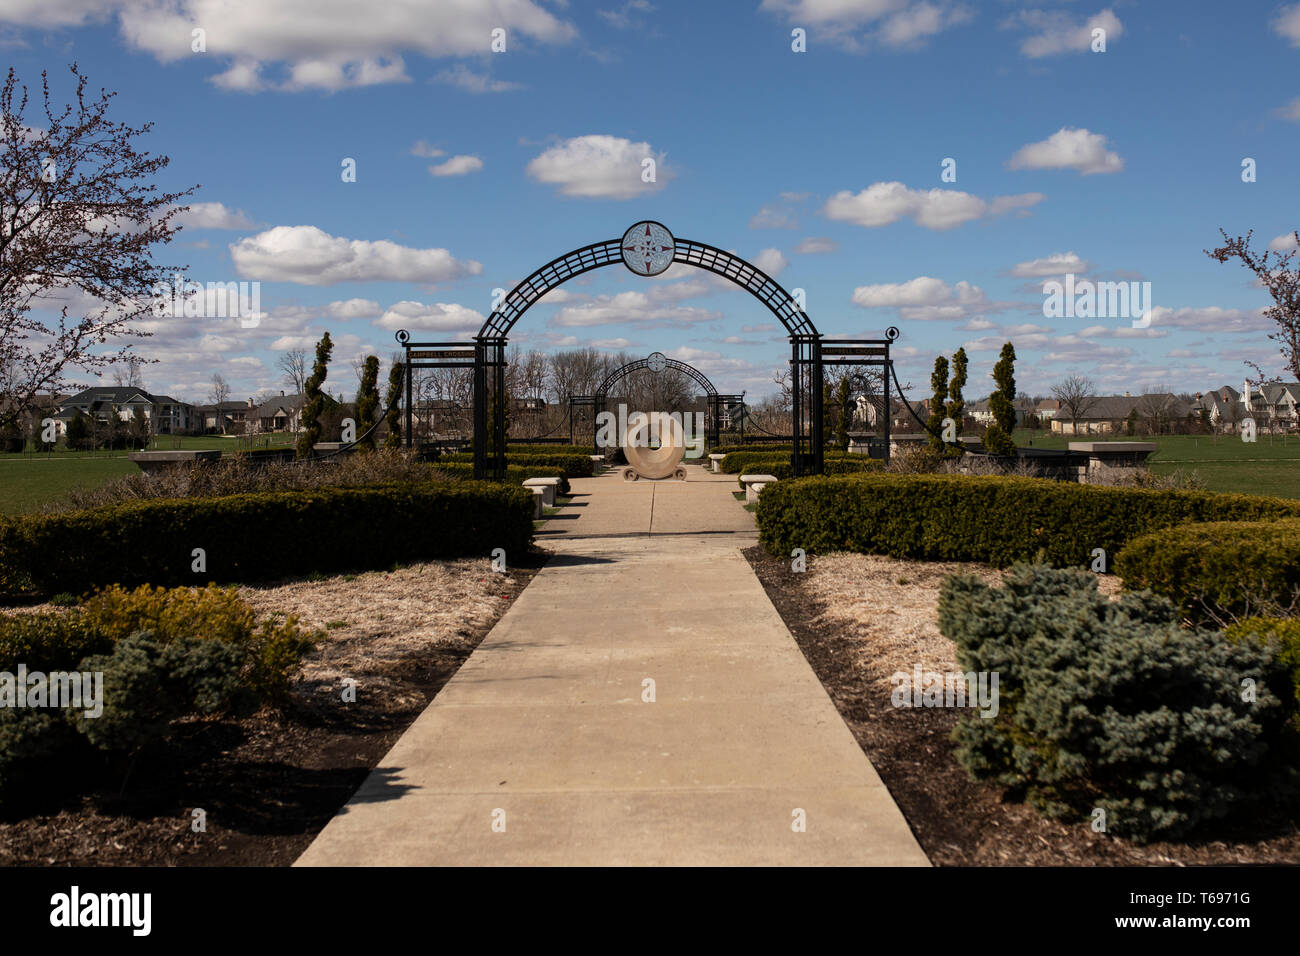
(258, 536)
(150, 683)
(1111, 705)
(574, 466)
(1217, 569)
(782, 469)
(515, 474)
(270, 653)
(997, 520)
(524, 448)
(1285, 632)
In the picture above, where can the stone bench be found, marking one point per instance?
(548, 486)
(754, 485)
(539, 502)
(716, 461)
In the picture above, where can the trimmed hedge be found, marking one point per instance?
(1283, 633)
(575, 466)
(746, 462)
(515, 474)
(270, 535)
(996, 520)
(782, 469)
(1217, 567)
(525, 448)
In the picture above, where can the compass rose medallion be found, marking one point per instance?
(648, 248)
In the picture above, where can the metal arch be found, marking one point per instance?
(688, 252)
(750, 278)
(698, 376)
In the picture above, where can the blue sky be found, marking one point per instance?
(823, 167)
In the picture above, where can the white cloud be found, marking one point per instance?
(892, 23)
(631, 308)
(352, 309)
(310, 256)
(883, 203)
(1069, 149)
(771, 261)
(435, 317)
(619, 343)
(1283, 243)
(427, 150)
(977, 323)
(1058, 32)
(1291, 111)
(1287, 24)
(213, 215)
(600, 167)
(814, 245)
(464, 78)
(457, 166)
(1209, 319)
(307, 44)
(923, 298)
(1058, 263)
(773, 217)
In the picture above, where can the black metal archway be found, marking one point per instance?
(657, 362)
(647, 249)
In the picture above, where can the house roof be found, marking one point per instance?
(288, 404)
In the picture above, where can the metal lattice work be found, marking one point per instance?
(699, 254)
(695, 374)
(643, 249)
(750, 278)
(555, 272)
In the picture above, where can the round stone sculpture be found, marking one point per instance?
(661, 462)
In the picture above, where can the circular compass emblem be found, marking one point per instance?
(648, 248)
(656, 362)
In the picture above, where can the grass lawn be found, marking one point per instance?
(1268, 466)
(26, 485)
(225, 443)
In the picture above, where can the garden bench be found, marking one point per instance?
(754, 485)
(548, 486)
(716, 461)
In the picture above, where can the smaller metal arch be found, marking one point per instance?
(695, 374)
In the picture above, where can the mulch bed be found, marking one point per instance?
(268, 783)
(956, 820)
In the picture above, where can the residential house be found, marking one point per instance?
(166, 415)
(226, 418)
(1109, 414)
(281, 414)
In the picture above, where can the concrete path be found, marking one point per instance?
(544, 730)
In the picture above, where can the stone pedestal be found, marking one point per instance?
(150, 461)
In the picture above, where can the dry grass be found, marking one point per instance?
(379, 619)
(891, 606)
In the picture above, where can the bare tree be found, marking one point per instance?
(1156, 408)
(219, 394)
(1281, 278)
(127, 374)
(1077, 396)
(293, 364)
(79, 217)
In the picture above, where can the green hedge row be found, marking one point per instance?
(526, 449)
(1219, 567)
(575, 466)
(782, 469)
(515, 474)
(258, 536)
(992, 519)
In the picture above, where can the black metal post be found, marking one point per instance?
(480, 409)
(796, 429)
(888, 369)
(410, 437)
(819, 408)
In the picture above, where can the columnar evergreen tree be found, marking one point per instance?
(368, 401)
(938, 402)
(843, 396)
(956, 401)
(997, 439)
(77, 431)
(316, 398)
(396, 378)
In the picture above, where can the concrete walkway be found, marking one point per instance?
(544, 728)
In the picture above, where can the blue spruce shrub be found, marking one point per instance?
(1112, 705)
